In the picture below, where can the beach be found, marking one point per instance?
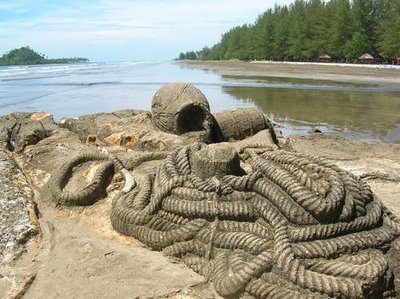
(387, 76)
(343, 100)
(78, 245)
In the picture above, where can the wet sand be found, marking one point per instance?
(383, 76)
(335, 98)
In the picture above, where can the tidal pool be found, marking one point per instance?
(369, 115)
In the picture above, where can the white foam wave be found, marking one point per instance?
(37, 71)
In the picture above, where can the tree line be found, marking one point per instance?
(304, 30)
(25, 55)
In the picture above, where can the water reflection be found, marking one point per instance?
(359, 114)
(356, 110)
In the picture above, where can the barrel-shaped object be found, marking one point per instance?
(239, 123)
(180, 108)
(215, 160)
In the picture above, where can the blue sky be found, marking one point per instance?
(122, 30)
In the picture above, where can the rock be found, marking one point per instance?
(19, 130)
(81, 126)
(17, 218)
(39, 116)
(129, 128)
(102, 124)
(18, 226)
(91, 138)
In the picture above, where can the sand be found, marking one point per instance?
(384, 76)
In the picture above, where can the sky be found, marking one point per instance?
(122, 30)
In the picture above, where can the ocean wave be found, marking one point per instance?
(223, 84)
(33, 72)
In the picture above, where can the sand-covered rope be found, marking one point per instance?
(292, 225)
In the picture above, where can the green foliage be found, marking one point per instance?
(389, 29)
(344, 29)
(26, 55)
(356, 46)
(188, 55)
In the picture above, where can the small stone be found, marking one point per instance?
(38, 116)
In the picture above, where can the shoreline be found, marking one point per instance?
(385, 77)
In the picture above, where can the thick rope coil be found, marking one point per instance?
(141, 157)
(287, 262)
(228, 283)
(265, 290)
(90, 193)
(236, 240)
(171, 217)
(182, 248)
(199, 265)
(374, 238)
(372, 270)
(207, 209)
(286, 205)
(161, 224)
(294, 226)
(248, 227)
(321, 208)
(322, 231)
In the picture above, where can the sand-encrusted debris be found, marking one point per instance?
(181, 108)
(240, 123)
(294, 225)
(251, 217)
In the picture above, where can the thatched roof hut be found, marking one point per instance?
(324, 58)
(366, 58)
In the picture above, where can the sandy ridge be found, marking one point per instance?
(387, 77)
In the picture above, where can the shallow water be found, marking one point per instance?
(358, 111)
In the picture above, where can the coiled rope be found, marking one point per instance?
(295, 225)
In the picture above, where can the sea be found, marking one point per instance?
(361, 112)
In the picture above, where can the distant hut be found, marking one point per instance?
(366, 58)
(324, 58)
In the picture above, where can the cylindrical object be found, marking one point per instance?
(180, 108)
(239, 123)
(215, 160)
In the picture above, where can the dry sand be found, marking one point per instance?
(388, 77)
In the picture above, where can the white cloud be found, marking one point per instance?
(120, 22)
